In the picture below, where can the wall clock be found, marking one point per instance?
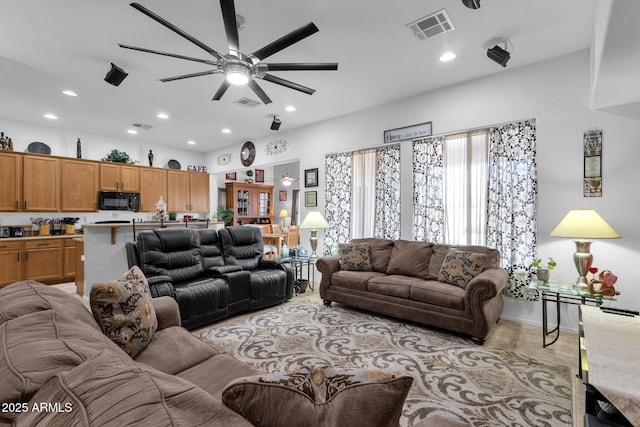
(247, 153)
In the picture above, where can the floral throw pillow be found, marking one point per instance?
(320, 396)
(459, 267)
(123, 310)
(354, 256)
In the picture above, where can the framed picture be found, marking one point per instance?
(311, 178)
(259, 175)
(311, 198)
(282, 195)
(230, 176)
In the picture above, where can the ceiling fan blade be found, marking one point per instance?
(287, 83)
(186, 76)
(230, 26)
(221, 90)
(293, 66)
(173, 55)
(258, 91)
(284, 42)
(175, 29)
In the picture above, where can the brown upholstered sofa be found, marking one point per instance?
(58, 369)
(403, 283)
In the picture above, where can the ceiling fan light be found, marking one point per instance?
(237, 74)
(286, 183)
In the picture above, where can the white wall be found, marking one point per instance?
(556, 93)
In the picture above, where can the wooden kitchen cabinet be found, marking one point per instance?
(69, 260)
(11, 262)
(44, 260)
(79, 185)
(11, 179)
(153, 185)
(40, 184)
(251, 203)
(119, 177)
(187, 191)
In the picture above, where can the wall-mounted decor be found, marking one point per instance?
(593, 163)
(311, 178)
(194, 168)
(231, 176)
(224, 159)
(276, 147)
(247, 153)
(311, 198)
(259, 175)
(408, 132)
(282, 195)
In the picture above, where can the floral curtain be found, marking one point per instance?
(513, 191)
(428, 211)
(387, 213)
(338, 201)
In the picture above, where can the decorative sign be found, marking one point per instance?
(193, 168)
(276, 147)
(408, 132)
(224, 159)
(592, 163)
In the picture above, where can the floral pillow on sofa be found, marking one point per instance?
(354, 256)
(123, 310)
(459, 267)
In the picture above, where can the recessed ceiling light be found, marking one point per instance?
(69, 93)
(191, 142)
(132, 131)
(51, 116)
(290, 108)
(162, 115)
(226, 130)
(448, 56)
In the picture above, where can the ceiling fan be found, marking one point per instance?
(241, 69)
(286, 180)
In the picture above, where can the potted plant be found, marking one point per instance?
(249, 173)
(173, 215)
(225, 215)
(118, 156)
(542, 271)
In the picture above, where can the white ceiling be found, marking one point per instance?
(48, 46)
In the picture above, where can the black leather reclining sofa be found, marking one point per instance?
(211, 274)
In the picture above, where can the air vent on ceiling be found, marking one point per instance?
(432, 25)
(246, 102)
(141, 126)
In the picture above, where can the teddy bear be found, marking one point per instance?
(603, 285)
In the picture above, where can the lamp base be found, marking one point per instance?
(314, 244)
(582, 259)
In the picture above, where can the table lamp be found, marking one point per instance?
(583, 225)
(314, 220)
(284, 214)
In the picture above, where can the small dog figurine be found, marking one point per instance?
(603, 285)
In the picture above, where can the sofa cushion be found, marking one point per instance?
(380, 251)
(320, 397)
(108, 391)
(29, 296)
(356, 280)
(410, 258)
(437, 293)
(123, 310)
(393, 285)
(459, 267)
(173, 350)
(354, 256)
(37, 346)
(440, 252)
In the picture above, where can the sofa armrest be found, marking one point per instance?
(327, 266)
(222, 269)
(161, 286)
(483, 297)
(167, 312)
(283, 264)
(488, 284)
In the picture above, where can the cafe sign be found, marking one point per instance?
(408, 132)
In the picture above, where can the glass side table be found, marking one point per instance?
(561, 293)
(298, 264)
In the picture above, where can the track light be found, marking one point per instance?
(115, 75)
(499, 55)
(471, 4)
(275, 124)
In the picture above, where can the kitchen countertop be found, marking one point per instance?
(61, 236)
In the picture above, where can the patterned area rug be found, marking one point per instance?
(452, 376)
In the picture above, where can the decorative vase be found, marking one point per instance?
(543, 274)
(150, 158)
(79, 149)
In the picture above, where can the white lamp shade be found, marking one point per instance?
(314, 220)
(584, 224)
(283, 213)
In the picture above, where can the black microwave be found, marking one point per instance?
(118, 201)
